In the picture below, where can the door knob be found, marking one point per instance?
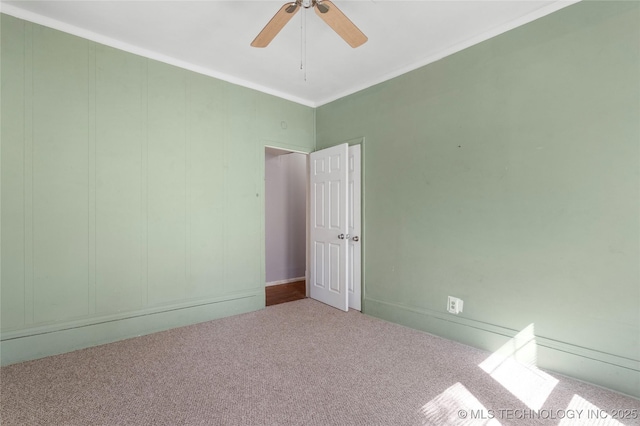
(355, 238)
(341, 237)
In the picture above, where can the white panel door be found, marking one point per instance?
(354, 278)
(328, 226)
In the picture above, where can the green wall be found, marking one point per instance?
(508, 175)
(132, 192)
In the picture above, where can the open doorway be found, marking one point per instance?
(286, 175)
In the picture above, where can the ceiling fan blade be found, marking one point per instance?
(339, 22)
(276, 23)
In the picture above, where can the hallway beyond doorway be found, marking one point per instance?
(282, 293)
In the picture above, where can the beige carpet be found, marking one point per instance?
(297, 363)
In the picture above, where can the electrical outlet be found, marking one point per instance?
(454, 305)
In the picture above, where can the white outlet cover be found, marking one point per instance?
(454, 305)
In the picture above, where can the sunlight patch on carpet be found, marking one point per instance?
(514, 366)
(457, 406)
(582, 412)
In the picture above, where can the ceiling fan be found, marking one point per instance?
(325, 9)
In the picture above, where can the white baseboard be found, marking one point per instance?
(290, 280)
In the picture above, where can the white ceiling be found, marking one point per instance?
(213, 37)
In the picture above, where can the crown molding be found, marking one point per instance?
(525, 19)
(39, 19)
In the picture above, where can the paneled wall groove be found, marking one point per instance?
(144, 186)
(225, 185)
(187, 205)
(91, 138)
(28, 175)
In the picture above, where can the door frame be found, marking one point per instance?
(286, 147)
(282, 147)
